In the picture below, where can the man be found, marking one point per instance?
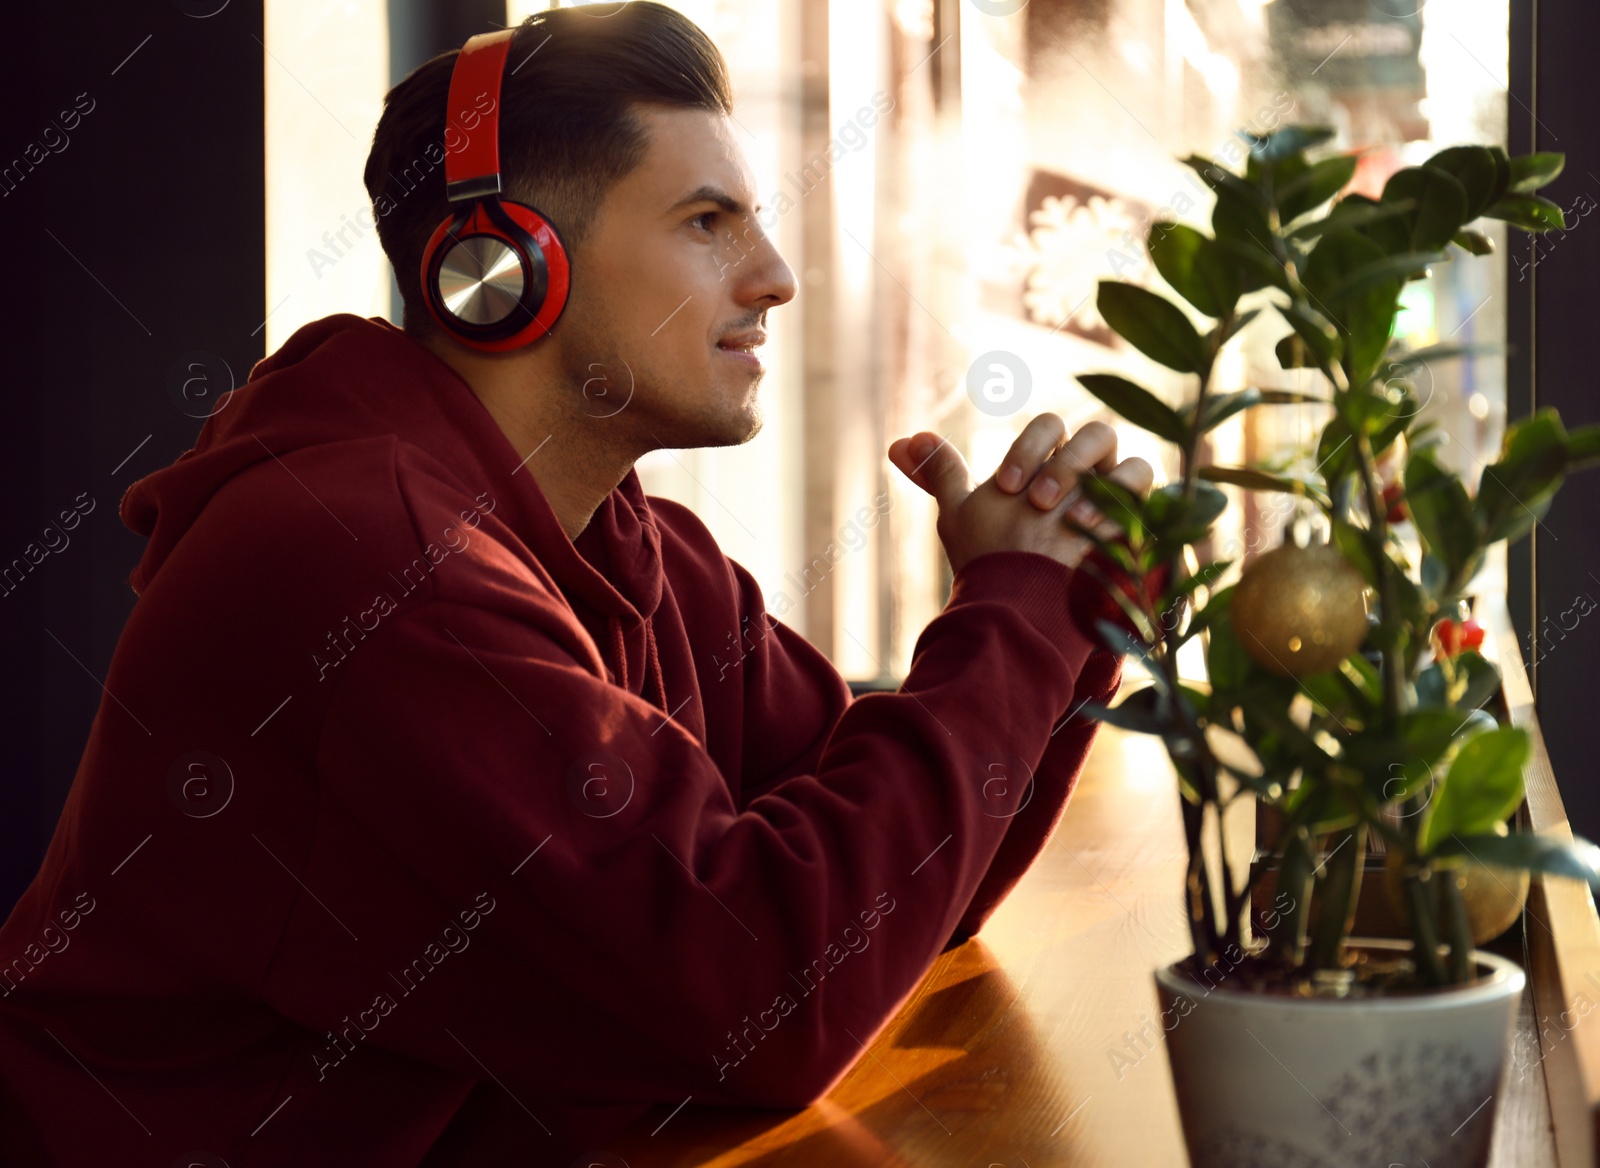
(419, 825)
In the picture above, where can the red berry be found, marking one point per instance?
(1394, 498)
(1453, 637)
(1088, 600)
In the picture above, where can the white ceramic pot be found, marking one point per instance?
(1410, 1079)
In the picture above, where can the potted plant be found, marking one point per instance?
(1344, 691)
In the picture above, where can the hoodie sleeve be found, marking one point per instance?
(783, 664)
(1053, 781)
(669, 945)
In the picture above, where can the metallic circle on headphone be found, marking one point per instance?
(481, 280)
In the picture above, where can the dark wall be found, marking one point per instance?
(135, 250)
(136, 239)
(1554, 310)
(420, 30)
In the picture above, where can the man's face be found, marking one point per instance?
(675, 272)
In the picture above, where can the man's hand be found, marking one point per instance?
(1022, 506)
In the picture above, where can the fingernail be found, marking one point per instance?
(1084, 512)
(921, 447)
(1011, 477)
(1046, 491)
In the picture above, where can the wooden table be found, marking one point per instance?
(1004, 1056)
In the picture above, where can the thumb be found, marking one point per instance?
(935, 466)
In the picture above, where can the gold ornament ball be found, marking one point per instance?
(1300, 610)
(1494, 897)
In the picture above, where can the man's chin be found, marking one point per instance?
(736, 432)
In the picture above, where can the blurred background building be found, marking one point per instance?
(948, 179)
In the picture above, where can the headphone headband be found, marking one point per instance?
(474, 170)
(495, 273)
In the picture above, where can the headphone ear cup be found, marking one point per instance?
(526, 258)
(547, 245)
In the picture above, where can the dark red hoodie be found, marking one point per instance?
(410, 831)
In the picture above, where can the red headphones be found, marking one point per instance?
(495, 273)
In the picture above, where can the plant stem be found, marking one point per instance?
(1232, 901)
(1340, 890)
(1202, 767)
(1294, 877)
(1394, 671)
(1424, 933)
(1197, 884)
(1459, 925)
(1191, 449)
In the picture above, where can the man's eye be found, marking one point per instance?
(704, 220)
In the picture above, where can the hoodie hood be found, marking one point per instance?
(345, 378)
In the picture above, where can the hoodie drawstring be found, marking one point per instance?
(655, 662)
(653, 657)
(620, 649)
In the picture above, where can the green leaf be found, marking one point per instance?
(1290, 397)
(1123, 507)
(1293, 354)
(1287, 140)
(1210, 572)
(1352, 543)
(1441, 204)
(1228, 666)
(1353, 213)
(1317, 331)
(1532, 171)
(1256, 268)
(1316, 186)
(1583, 447)
(1362, 409)
(1121, 641)
(1441, 511)
(1222, 406)
(1579, 859)
(1403, 780)
(1399, 362)
(1502, 174)
(1265, 700)
(1153, 325)
(1217, 177)
(1475, 242)
(1381, 270)
(1228, 328)
(1330, 692)
(1138, 405)
(1401, 416)
(1478, 678)
(1195, 267)
(1208, 503)
(1529, 212)
(1143, 712)
(1336, 451)
(1419, 736)
(1240, 217)
(1365, 674)
(1365, 318)
(1483, 786)
(1413, 605)
(1516, 490)
(1255, 479)
(1474, 168)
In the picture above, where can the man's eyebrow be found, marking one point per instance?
(712, 194)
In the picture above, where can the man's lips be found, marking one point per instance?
(748, 339)
(742, 346)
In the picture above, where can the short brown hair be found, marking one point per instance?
(567, 129)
